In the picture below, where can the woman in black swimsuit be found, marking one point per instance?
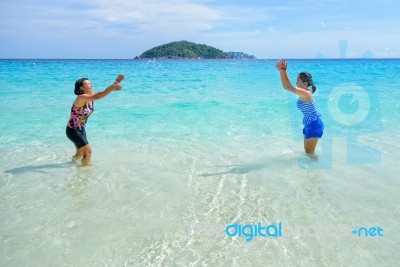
(81, 109)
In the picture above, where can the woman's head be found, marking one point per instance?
(78, 84)
(306, 80)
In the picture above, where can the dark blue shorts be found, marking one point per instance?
(77, 136)
(314, 130)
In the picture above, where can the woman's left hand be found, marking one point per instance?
(281, 65)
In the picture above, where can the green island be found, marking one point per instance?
(190, 50)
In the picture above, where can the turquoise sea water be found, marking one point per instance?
(189, 147)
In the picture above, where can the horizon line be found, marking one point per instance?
(142, 59)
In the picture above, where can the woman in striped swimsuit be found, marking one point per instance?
(313, 126)
(80, 111)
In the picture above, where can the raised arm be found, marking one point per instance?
(281, 66)
(85, 98)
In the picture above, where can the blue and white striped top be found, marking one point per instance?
(309, 111)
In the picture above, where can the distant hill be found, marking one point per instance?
(189, 50)
(240, 55)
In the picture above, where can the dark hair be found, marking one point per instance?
(307, 78)
(78, 85)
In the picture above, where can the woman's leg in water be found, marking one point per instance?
(310, 144)
(87, 154)
(78, 154)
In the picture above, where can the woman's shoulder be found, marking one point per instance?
(79, 102)
(306, 100)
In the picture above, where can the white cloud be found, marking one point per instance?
(154, 17)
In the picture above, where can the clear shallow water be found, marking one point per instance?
(188, 145)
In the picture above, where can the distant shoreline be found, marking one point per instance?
(192, 59)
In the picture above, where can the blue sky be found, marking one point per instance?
(266, 29)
